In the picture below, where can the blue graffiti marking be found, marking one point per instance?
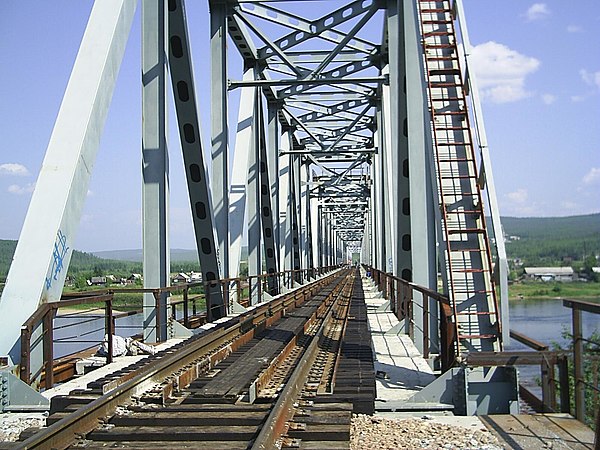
(58, 257)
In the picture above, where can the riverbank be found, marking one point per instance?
(553, 290)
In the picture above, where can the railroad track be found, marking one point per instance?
(284, 374)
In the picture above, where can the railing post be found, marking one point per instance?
(425, 326)
(186, 315)
(25, 366)
(548, 387)
(565, 395)
(48, 333)
(578, 365)
(108, 328)
(158, 316)
(207, 300)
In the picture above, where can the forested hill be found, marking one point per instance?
(552, 240)
(535, 240)
(80, 262)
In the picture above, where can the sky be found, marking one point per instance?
(538, 66)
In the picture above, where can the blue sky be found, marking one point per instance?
(538, 66)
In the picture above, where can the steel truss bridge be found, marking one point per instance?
(359, 131)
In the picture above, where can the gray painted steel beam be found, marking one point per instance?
(219, 129)
(155, 168)
(180, 60)
(239, 176)
(42, 256)
(253, 203)
(265, 205)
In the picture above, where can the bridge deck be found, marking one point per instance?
(401, 369)
(535, 431)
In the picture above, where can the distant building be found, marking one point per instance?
(133, 278)
(97, 281)
(181, 278)
(195, 277)
(565, 274)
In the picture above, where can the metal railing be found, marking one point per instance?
(581, 355)
(38, 365)
(400, 294)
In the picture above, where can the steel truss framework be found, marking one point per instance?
(333, 150)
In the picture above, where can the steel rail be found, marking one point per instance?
(283, 410)
(64, 432)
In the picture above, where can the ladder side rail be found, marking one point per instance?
(486, 174)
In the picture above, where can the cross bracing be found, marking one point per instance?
(346, 141)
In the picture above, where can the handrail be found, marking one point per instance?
(43, 318)
(400, 293)
(578, 307)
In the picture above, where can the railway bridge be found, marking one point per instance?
(359, 141)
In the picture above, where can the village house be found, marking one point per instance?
(564, 274)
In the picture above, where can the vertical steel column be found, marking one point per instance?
(265, 206)
(273, 164)
(397, 136)
(309, 225)
(285, 225)
(155, 168)
(219, 130)
(244, 145)
(379, 191)
(422, 214)
(304, 215)
(293, 212)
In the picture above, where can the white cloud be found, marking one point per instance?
(548, 99)
(519, 196)
(591, 78)
(592, 177)
(537, 11)
(574, 29)
(501, 71)
(569, 205)
(13, 169)
(577, 98)
(20, 190)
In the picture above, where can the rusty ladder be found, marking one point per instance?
(466, 247)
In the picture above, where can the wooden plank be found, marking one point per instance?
(557, 431)
(200, 445)
(189, 418)
(158, 434)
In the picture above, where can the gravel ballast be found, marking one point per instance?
(371, 432)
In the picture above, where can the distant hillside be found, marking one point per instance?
(177, 255)
(551, 240)
(80, 262)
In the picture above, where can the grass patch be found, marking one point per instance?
(575, 289)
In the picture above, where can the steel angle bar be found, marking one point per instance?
(349, 36)
(242, 39)
(315, 56)
(304, 127)
(350, 68)
(282, 56)
(191, 144)
(304, 84)
(323, 28)
(349, 128)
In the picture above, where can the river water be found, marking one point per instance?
(545, 320)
